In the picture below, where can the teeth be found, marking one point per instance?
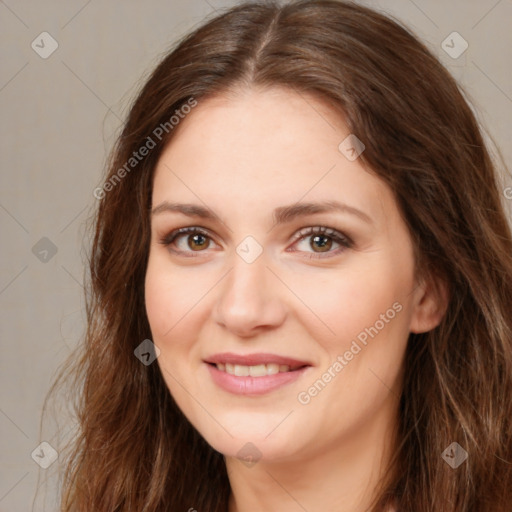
(259, 370)
(272, 368)
(241, 371)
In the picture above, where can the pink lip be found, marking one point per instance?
(254, 385)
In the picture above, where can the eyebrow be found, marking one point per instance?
(281, 215)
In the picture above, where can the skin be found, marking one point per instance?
(242, 155)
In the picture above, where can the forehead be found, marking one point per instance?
(264, 147)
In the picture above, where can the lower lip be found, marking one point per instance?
(253, 385)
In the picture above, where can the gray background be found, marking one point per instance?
(60, 116)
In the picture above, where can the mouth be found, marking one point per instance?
(254, 374)
(255, 365)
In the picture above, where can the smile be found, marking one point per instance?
(254, 374)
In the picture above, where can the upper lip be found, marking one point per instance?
(255, 359)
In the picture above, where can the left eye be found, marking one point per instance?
(322, 238)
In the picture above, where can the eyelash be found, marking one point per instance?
(344, 241)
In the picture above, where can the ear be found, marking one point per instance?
(431, 298)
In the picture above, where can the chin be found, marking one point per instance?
(252, 436)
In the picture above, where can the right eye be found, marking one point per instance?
(187, 240)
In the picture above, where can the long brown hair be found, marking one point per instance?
(135, 450)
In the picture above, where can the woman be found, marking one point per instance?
(301, 220)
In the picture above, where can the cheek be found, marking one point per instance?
(164, 308)
(343, 304)
(362, 360)
(176, 310)
(169, 298)
(160, 301)
(367, 310)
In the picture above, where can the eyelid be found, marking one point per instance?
(322, 230)
(187, 229)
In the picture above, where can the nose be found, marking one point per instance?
(249, 300)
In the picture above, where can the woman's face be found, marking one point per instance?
(283, 320)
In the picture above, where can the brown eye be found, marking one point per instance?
(321, 242)
(186, 241)
(197, 242)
